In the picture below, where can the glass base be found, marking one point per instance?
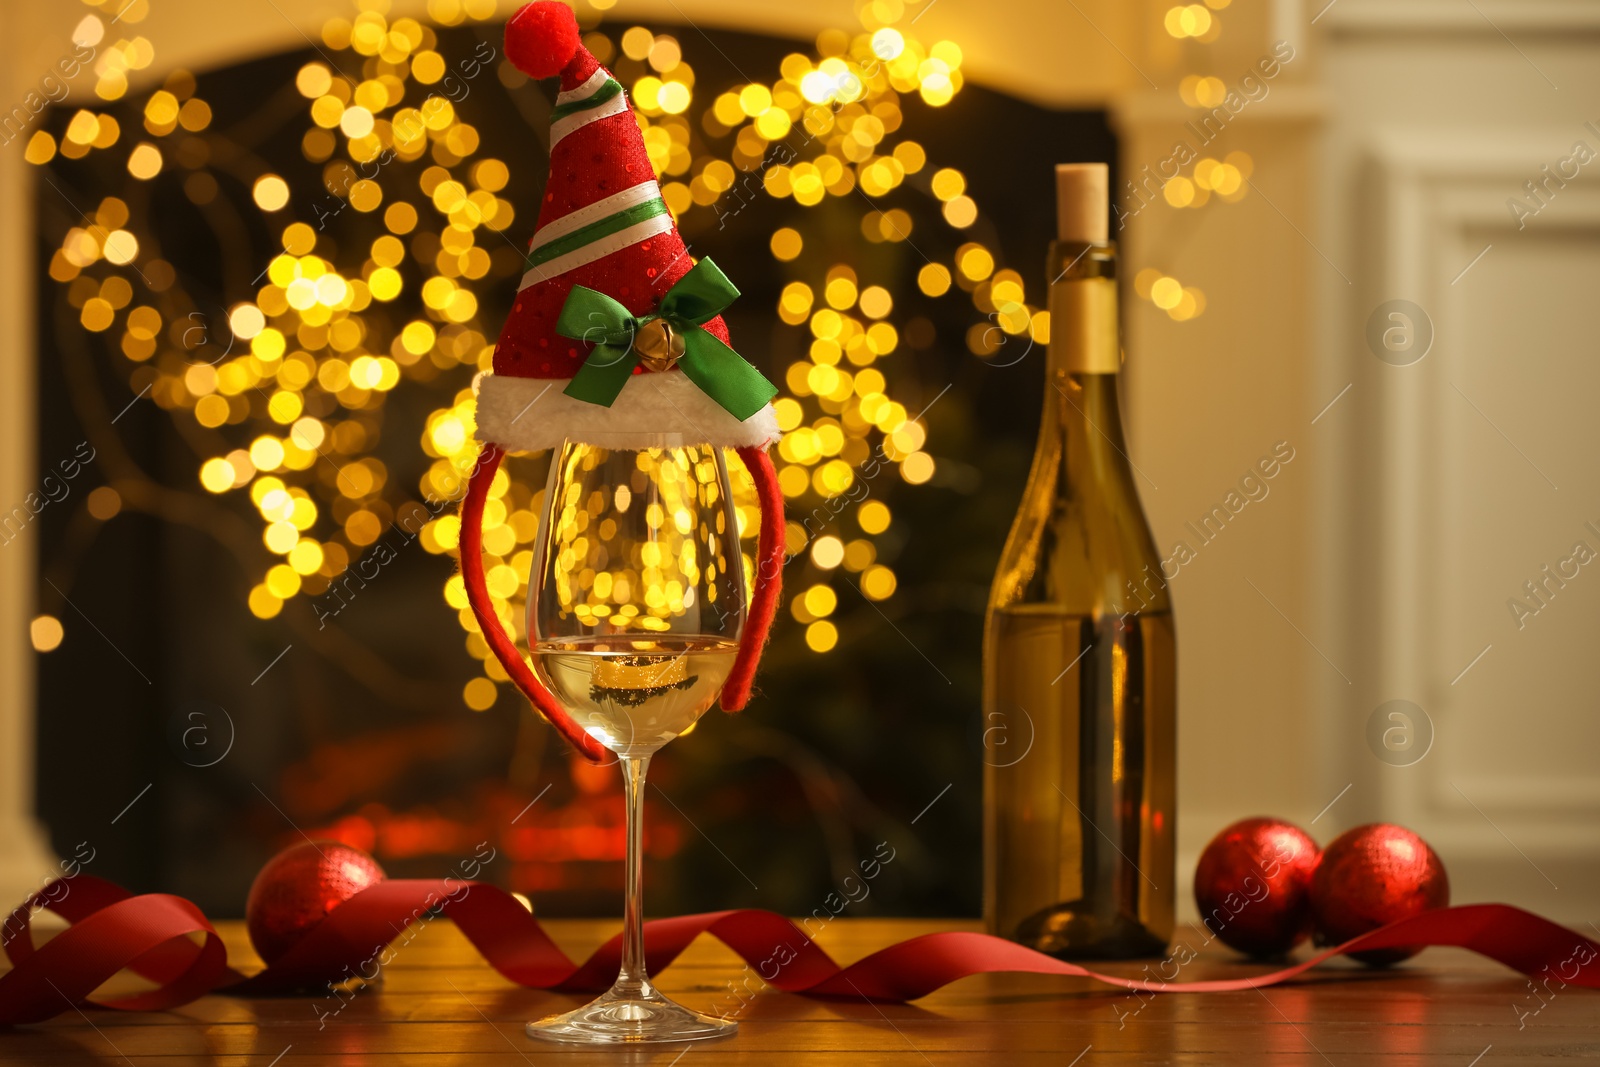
(615, 1018)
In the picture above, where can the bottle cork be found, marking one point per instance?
(1083, 210)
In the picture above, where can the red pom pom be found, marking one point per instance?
(298, 887)
(542, 38)
(1253, 886)
(1372, 876)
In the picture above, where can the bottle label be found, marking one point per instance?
(1083, 326)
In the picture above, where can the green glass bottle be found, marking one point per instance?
(1079, 648)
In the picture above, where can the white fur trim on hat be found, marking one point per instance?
(654, 410)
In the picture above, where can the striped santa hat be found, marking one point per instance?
(615, 339)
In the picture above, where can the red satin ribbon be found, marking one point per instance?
(113, 931)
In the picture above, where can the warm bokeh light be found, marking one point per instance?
(878, 583)
(46, 633)
(787, 244)
(271, 192)
(1164, 293)
(827, 552)
(144, 162)
(1180, 302)
(299, 367)
(104, 502)
(1192, 20)
(480, 694)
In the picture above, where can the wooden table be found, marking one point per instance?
(439, 1004)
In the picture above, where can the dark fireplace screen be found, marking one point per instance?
(264, 293)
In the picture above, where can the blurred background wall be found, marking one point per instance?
(1440, 459)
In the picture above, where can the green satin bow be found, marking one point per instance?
(698, 297)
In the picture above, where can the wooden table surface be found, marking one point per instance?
(439, 1004)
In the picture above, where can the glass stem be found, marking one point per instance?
(631, 979)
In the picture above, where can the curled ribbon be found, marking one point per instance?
(113, 930)
(698, 297)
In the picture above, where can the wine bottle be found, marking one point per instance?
(1080, 651)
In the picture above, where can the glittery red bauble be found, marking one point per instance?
(1253, 886)
(1372, 876)
(298, 887)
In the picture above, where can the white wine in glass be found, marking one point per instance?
(635, 609)
(634, 695)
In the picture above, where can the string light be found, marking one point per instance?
(1180, 302)
(297, 379)
(1194, 20)
(46, 633)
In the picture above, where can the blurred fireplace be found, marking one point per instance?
(185, 740)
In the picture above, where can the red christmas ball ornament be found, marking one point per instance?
(542, 38)
(1372, 876)
(298, 887)
(1253, 886)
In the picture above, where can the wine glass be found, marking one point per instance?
(635, 607)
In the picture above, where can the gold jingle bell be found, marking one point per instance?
(658, 344)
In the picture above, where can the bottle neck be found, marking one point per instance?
(1082, 413)
(1084, 419)
(1084, 335)
(1080, 544)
